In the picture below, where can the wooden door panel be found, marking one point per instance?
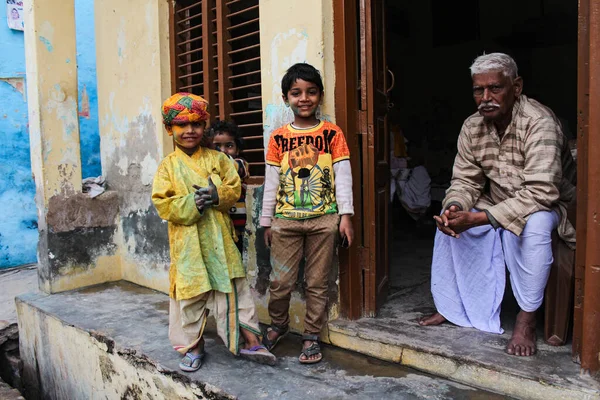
(376, 174)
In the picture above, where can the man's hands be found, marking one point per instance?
(206, 196)
(453, 221)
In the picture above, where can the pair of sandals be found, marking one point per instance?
(312, 350)
(192, 362)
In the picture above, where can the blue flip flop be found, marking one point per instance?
(195, 362)
(261, 357)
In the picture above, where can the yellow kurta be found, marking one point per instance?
(203, 252)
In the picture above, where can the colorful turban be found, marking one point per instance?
(183, 108)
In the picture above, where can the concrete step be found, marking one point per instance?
(8, 393)
(110, 342)
(464, 355)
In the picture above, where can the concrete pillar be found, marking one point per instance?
(52, 96)
(64, 214)
(134, 66)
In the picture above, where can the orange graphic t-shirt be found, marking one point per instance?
(306, 178)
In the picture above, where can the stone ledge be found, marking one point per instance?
(8, 393)
(435, 358)
(93, 364)
(110, 341)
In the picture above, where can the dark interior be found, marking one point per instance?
(431, 45)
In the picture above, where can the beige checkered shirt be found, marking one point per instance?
(529, 169)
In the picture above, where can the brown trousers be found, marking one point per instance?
(315, 239)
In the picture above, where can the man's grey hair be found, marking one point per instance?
(495, 62)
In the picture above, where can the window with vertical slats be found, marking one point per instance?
(216, 54)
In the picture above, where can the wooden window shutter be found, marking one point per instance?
(216, 54)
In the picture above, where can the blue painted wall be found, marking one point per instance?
(18, 219)
(86, 71)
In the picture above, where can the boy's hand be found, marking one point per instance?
(346, 229)
(268, 236)
(199, 202)
(209, 195)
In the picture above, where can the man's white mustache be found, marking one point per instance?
(484, 105)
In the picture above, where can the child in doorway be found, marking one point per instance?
(226, 137)
(308, 186)
(193, 190)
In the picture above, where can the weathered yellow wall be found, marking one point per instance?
(290, 32)
(52, 97)
(133, 72)
(133, 79)
(74, 249)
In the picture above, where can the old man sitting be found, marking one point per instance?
(512, 179)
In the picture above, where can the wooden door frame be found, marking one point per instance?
(351, 104)
(375, 163)
(351, 261)
(586, 341)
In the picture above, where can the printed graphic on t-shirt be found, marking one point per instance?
(306, 158)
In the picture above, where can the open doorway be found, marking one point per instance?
(430, 46)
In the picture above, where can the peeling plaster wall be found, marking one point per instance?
(76, 245)
(18, 221)
(308, 37)
(88, 94)
(18, 226)
(133, 80)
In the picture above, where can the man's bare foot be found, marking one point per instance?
(432, 320)
(522, 342)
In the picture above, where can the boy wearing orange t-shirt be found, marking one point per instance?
(308, 191)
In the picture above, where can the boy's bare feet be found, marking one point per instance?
(522, 342)
(199, 349)
(432, 320)
(313, 358)
(252, 340)
(255, 351)
(192, 360)
(272, 335)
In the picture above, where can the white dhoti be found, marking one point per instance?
(468, 274)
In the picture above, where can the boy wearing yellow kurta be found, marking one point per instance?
(193, 190)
